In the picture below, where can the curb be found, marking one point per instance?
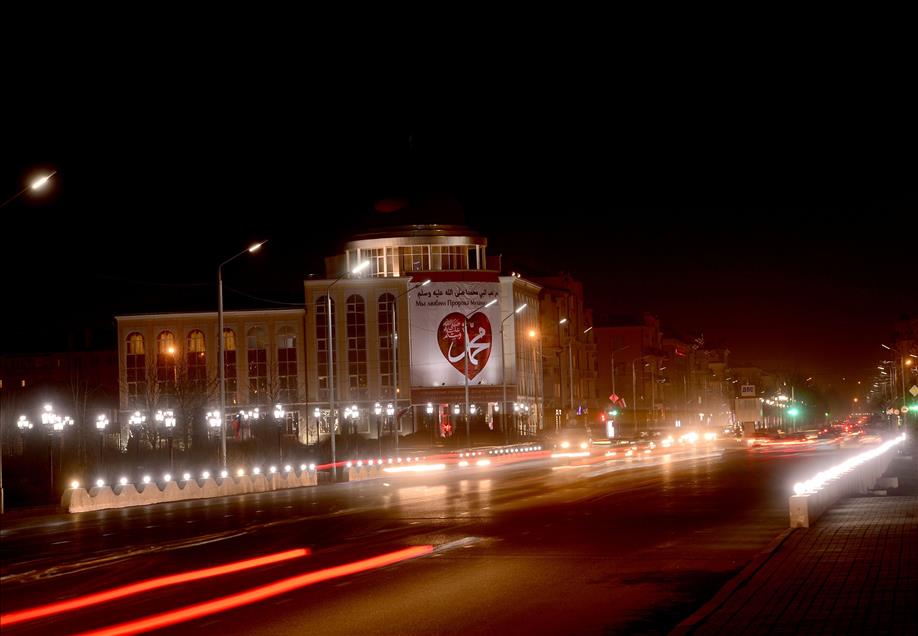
(758, 561)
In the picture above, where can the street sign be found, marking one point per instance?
(914, 390)
(748, 390)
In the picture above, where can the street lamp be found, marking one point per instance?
(213, 420)
(279, 421)
(536, 365)
(23, 424)
(503, 368)
(390, 411)
(465, 331)
(902, 363)
(377, 409)
(570, 363)
(221, 362)
(395, 346)
(634, 389)
(351, 413)
(101, 425)
(167, 419)
(330, 352)
(35, 185)
(136, 422)
(55, 424)
(430, 410)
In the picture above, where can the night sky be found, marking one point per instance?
(786, 232)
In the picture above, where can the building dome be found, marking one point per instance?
(402, 236)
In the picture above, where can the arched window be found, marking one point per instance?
(196, 361)
(357, 347)
(166, 351)
(286, 365)
(135, 365)
(257, 358)
(322, 343)
(229, 364)
(386, 359)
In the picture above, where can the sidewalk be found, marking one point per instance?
(854, 572)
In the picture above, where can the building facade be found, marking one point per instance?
(169, 361)
(398, 337)
(568, 353)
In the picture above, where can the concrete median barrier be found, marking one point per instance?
(124, 496)
(855, 476)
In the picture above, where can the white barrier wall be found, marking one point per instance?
(856, 476)
(361, 473)
(101, 498)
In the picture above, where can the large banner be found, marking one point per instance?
(440, 313)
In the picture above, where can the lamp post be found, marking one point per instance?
(221, 362)
(136, 422)
(23, 424)
(169, 423)
(377, 409)
(901, 364)
(503, 369)
(279, 422)
(430, 410)
(465, 332)
(35, 185)
(390, 412)
(395, 348)
(536, 364)
(317, 414)
(101, 425)
(331, 362)
(570, 365)
(351, 413)
(56, 425)
(634, 390)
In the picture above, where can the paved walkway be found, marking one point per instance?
(854, 572)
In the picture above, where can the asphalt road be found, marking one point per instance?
(550, 546)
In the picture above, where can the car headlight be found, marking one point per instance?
(565, 444)
(584, 445)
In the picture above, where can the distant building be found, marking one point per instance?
(169, 361)
(568, 352)
(629, 353)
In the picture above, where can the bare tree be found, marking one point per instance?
(79, 396)
(193, 391)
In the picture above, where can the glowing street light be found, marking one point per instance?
(55, 424)
(221, 341)
(390, 411)
(503, 368)
(330, 352)
(465, 332)
(279, 423)
(37, 184)
(395, 347)
(101, 425)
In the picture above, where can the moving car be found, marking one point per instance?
(571, 438)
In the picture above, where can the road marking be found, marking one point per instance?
(59, 542)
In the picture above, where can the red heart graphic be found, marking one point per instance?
(452, 341)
